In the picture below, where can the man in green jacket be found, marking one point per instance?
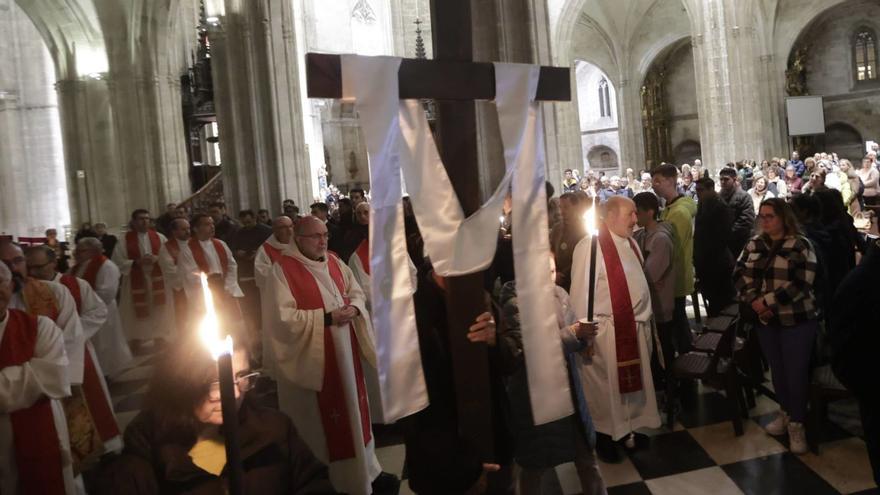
(679, 212)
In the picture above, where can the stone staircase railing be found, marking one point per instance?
(211, 192)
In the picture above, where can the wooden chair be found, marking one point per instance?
(714, 364)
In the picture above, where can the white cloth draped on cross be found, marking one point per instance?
(400, 144)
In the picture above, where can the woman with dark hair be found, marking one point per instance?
(774, 277)
(176, 445)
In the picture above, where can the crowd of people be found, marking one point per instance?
(776, 239)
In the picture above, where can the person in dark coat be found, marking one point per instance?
(742, 211)
(108, 241)
(713, 261)
(538, 449)
(175, 445)
(439, 459)
(855, 338)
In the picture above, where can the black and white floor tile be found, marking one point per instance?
(699, 455)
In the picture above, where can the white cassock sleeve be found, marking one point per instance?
(120, 257)
(231, 282)
(93, 312)
(262, 268)
(71, 328)
(169, 269)
(580, 264)
(107, 282)
(45, 373)
(297, 338)
(360, 275)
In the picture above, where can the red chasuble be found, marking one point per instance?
(363, 252)
(102, 413)
(331, 398)
(35, 439)
(629, 370)
(138, 277)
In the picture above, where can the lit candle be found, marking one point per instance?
(590, 223)
(221, 350)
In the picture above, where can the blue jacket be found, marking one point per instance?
(799, 167)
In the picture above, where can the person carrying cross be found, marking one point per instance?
(618, 385)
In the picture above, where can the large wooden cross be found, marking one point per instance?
(455, 81)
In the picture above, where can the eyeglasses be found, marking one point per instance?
(244, 384)
(314, 237)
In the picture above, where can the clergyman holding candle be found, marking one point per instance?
(618, 385)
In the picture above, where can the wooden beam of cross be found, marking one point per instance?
(455, 81)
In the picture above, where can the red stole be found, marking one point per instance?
(629, 371)
(138, 277)
(91, 273)
(72, 285)
(363, 252)
(102, 414)
(35, 439)
(202, 261)
(272, 252)
(331, 398)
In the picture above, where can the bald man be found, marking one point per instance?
(320, 344)
(33, 366)
(618, 385)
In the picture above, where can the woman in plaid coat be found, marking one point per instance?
(774, 276)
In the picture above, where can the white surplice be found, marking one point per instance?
(262, 275)
(68, 322)
(109, 342)
(21, 386)
(371, 374)
(170, 266)
(160, 322)
(614, 413)
(297, 342)
(189, 271)
(93, 316)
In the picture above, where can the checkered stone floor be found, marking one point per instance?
(699, 455)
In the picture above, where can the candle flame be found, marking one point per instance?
(591, 222)
(501, 219)
(210, 325)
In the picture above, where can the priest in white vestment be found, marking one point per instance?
(620, 395)
(206, 254)
(33, 379)
(169, 259)
(146, 306)
(92, 313)
(267, 255)
(47, 299)
(320, 344)
(102, 275)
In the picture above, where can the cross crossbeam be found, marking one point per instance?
(435, 79)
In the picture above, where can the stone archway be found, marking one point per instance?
(843, 139)
(686, 152)
(603, 158)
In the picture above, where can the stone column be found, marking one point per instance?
(96, 183)
(732, 111)
(259, 108)
(629, 124)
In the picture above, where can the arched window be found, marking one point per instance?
(604, 98)
(865, 54)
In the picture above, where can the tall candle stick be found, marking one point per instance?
(222, 351)
(593, 232)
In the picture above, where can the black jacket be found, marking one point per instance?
(742, 213)
(713, 260)
(276, 461)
